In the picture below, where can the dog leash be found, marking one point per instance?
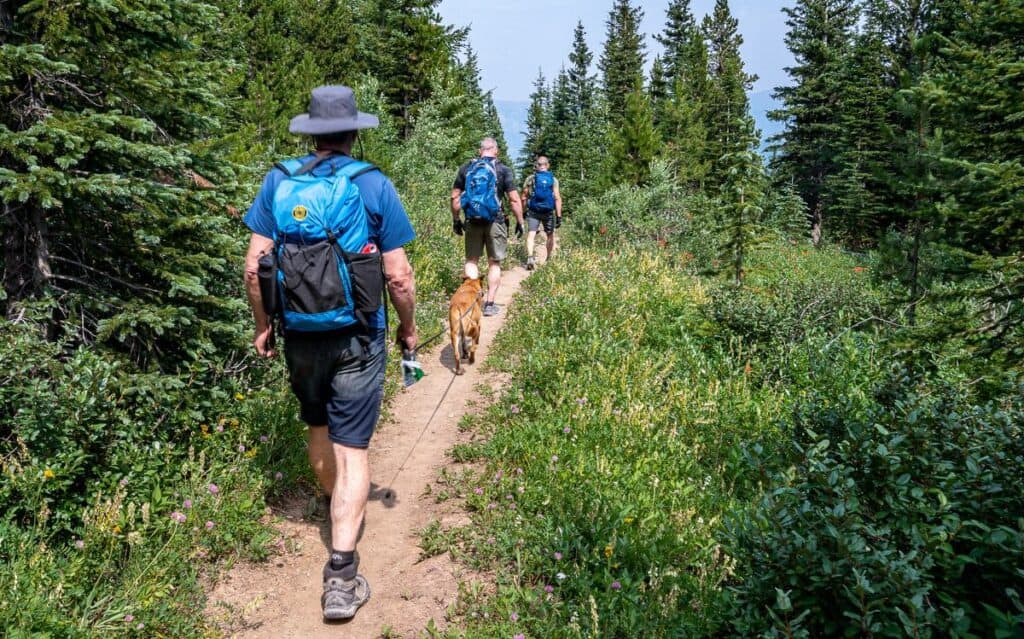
(388, 495)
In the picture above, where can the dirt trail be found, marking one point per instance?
(280, 599)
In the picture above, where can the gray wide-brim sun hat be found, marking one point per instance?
(332, 109)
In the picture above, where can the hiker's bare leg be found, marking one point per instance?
(493, 279)
(321, 457)
(530, 237)
(551, 245)
(351, 490)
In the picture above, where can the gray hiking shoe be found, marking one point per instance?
(342, 598)
(531, 263)
(490, 309)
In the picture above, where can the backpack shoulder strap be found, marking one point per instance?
(290, 168)
(354, 169)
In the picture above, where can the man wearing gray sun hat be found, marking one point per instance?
(327, 238)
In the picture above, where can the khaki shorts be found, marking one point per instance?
(493, 236)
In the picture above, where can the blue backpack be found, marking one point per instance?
(480, 199)
(329, 275)
(542, 199)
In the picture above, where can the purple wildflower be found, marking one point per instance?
(581, 401)
(213, 489)
(178, 517)
(209, 525)
(124, 481)
(492, 506)
(478, 491)
(566, 430)
(549, 589)
(278, 475)
(519, 636)
(79, 544)
(129, 618)
(187, 504)
(616, 585)
(241, 448)
(519, 471)
(514, 409)
(491, 540)
(558, 556)
(264, 439)
(140, 626)
(220, 428)
(514, 616)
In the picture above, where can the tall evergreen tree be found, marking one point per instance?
(622, 61)
(726, 104)
(742, 191)
(534, 142)
(820, 35)
(677, 37)
(582, 84)
(658, 92)
(100, 168)
(634, 141)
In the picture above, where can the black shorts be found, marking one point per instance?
(336, 385)
(534, 220)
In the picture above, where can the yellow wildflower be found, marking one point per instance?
(234, 423)
(250, 453)
(608, 550)
(628, 520)
(239, 396)
(49, 474)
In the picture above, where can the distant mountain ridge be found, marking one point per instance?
(512, 114)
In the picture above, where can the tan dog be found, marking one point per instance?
(464, 316)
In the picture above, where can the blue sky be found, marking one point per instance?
(514, 38)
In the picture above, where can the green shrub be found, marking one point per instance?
(900, 516)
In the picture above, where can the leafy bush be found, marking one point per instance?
(792, 290)
(900, 516)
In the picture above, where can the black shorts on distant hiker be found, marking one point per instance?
(543, 208)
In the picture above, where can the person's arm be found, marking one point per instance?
(517, 205)
(558, 201)
(258, 246)
(456, 203)
(402, 291)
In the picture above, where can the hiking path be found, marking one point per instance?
(280, 598)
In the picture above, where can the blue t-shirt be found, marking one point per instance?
(390, 227)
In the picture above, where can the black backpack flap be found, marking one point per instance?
(312, 279)
(366, 274)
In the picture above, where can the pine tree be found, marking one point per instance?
(726, 105)
(108, 220)
(677, 37)
(558, 122)
(634, 141)
(820, 35)
(582, 85)
(742, 192)
(622, 60)
(534, 142)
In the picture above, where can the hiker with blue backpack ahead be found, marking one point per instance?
(478, 191)
(543, 208)
(327, 238)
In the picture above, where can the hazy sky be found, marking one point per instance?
(513, 38)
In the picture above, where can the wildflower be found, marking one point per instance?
(213, 489)
(512, 506)
(616, 585)
(554, 458)
(608, 550)
(129, 618)
(519, 471)
(549, 589)
(264, 439)
(178, 517)
(558, 556)
(140, 626)
(187, 504)
(491, 540)
(560, 576)
(514, 616)
(239, 396)
(509, 497)
(251, 453)
(566, 430)
(859, 269)
(79, 544)
(581, 401)
(220, 428)
(124, 481)
(627, 520)
(492, 506)
(278, 475)
(519, 636)
(521, 490)
(478, 491)
(514, 409)
(498, 475)
(49, 474)
(209, 525)
(234, 423)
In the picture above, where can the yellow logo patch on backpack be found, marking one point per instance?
(299, 213)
